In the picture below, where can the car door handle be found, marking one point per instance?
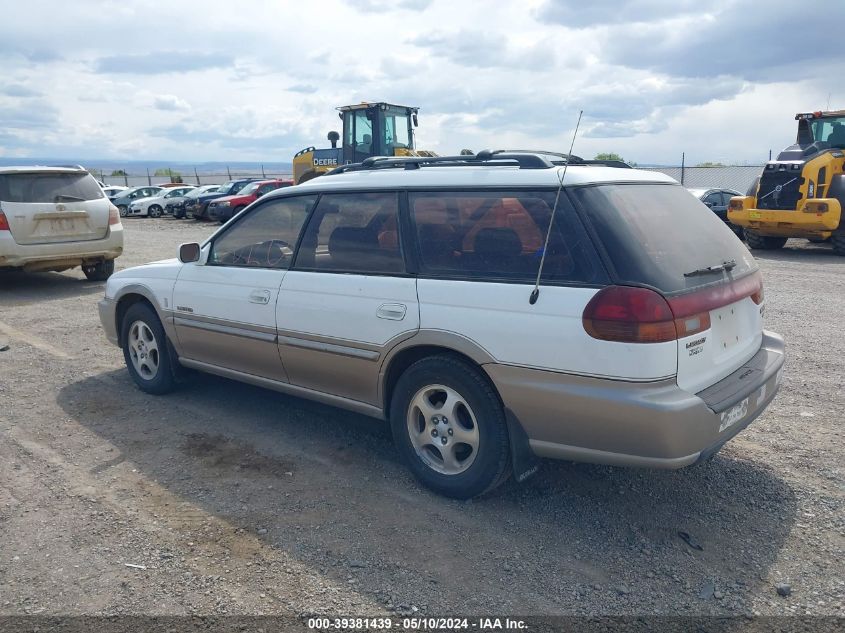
(392, 311)
(259, 296)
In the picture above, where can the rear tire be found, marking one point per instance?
(99, 271)
(764, 243)
(449, 427)
(123, 210)
(837, 240)
(154, 211)
(146, 350)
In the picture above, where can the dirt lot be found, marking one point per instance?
(227, 499)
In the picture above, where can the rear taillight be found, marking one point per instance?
(639, 315)
(4, 223)
(114, 215)
(631, 315)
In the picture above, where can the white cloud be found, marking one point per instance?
(171, 102)
(718, 80)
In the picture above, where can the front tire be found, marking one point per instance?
(123, 210)
(99, 271)
(837, 240)
(154, 211)
(146, 350)
(763, 243)
(449, 427)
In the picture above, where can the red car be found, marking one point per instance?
(223, 209)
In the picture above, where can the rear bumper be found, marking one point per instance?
(806, 221)
(655, 425)
(60, 254)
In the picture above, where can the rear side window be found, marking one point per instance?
(500, 236)
(49, 187)
(353, 233)
(653, 234)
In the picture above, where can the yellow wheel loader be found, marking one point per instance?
(369, 129)
(802, 192)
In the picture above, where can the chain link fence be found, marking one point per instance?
(189, 177)
(737, 177)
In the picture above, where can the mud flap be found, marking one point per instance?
(524, 462)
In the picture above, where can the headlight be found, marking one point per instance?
(225, 204)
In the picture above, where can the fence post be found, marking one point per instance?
(125, 178)
(228, 173)
(683, 166)
(197, 175)
(149, 180)
(263, 175)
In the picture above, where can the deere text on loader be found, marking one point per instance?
(369, 129)
(802, 192)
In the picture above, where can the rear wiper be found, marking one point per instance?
(724, 266)
(63, 196)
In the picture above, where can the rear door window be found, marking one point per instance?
(653, 234)
(353, 233)
(49, 187)
(500, 236)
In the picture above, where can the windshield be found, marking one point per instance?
(49, 187)
(653, 234)
(194, 193)
(250, 188)
(831, 130)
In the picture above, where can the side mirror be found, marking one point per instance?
(414, 119)
(189, 252)
(709, 205)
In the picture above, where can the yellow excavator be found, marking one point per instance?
(802, 192)
(369, 129)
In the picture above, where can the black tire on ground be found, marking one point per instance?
(154, 211)
(838, 242)
(235, 212)
(100, 271)
(817, 240)
(123, 210)
(479, 414)
(764, 243)
(146, 350)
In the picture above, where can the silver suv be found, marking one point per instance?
(493, 308)
(56, 218)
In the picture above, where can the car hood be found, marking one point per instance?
(244, 199)
(209, 196)
(162, 269)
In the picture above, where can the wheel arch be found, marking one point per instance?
(131, 294)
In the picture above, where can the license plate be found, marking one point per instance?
(756, 215)
(733, 415)
(62, 225)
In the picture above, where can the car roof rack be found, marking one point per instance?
(524, 159)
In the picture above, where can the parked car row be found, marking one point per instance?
(212, 202)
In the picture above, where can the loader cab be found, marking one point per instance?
(377, 129)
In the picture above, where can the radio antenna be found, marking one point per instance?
(535, 294)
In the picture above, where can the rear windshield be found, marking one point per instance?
(653, 234)
(49, 187)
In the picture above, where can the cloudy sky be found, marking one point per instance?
(259, 79)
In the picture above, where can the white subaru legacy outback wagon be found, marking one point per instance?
(56, 218)
(404, 289)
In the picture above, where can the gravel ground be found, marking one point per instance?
(227, 499)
